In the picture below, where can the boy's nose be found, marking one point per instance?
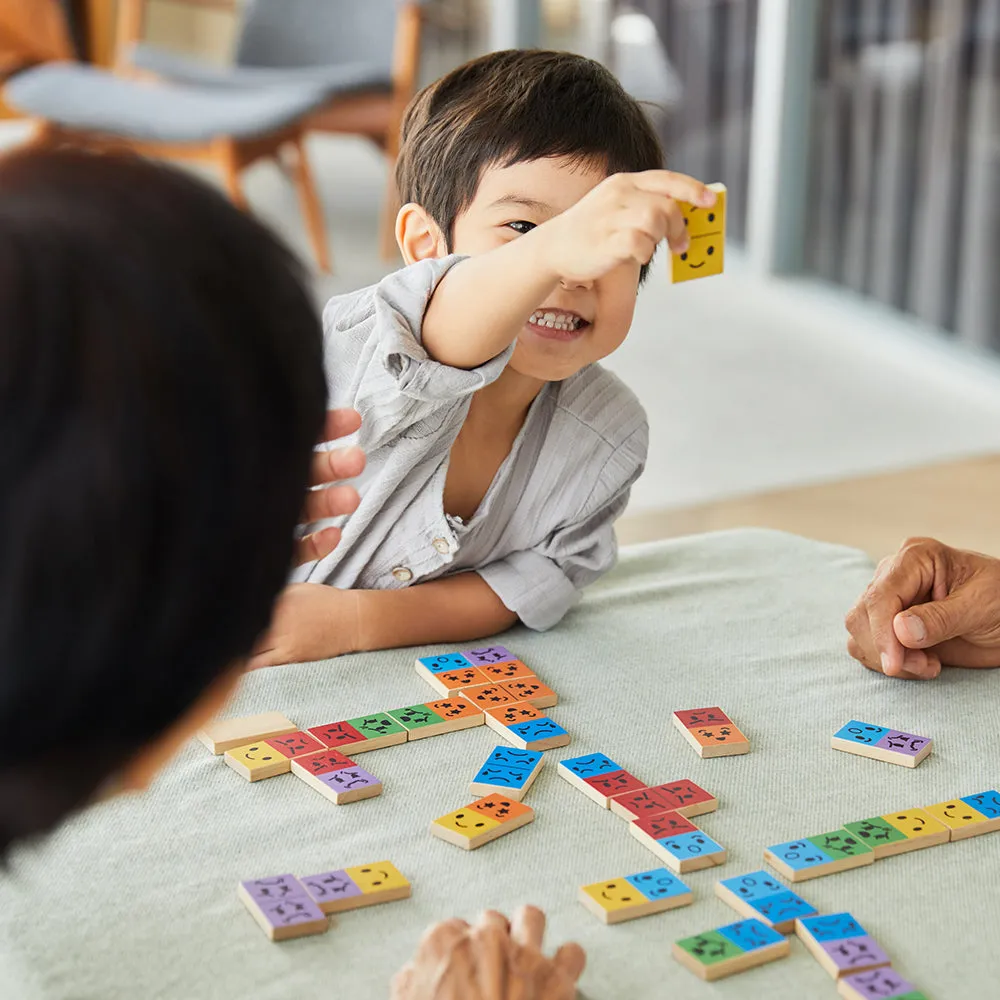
(569, 284)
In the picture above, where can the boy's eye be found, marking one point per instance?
(520, 226)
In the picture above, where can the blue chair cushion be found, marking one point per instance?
(93, 100)
(345, 78)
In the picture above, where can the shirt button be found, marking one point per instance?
(402, 574)
(441, 544)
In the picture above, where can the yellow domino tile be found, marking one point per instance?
(615, 895)
(257, 761)
(916, 824)
(956, 815)
(467, 823)
(382, 876)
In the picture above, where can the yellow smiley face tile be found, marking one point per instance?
(707, 232)
(467, 823)
(618, 894)
(955, 814)
(382, 876)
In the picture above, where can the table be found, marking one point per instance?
(136, 898)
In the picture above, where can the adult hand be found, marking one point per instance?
(328, 467)
(928, 605)
(491, 960)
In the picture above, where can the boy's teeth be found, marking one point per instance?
(554, 320)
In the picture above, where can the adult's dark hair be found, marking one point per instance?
(510, 107)
(161, 390)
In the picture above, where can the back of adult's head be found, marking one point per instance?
(161, 390)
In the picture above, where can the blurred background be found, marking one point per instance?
(841, 380)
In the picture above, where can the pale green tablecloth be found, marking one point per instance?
(137, 899)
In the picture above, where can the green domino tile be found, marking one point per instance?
(875, 831)
(415, 716)
(840, 844)
(710, 947)
(376, 724)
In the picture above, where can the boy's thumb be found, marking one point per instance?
(926, 625)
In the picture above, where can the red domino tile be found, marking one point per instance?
(336, 734)
(615, 783)
(693, 717)
(324, 762)
(670, 824)
(295, 744)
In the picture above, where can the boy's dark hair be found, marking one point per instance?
(510, 107)
(161, 390)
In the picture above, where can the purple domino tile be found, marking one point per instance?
(347, 779)
(853, 953)
(880, 984)
(283, 900)
(330, 886)
(488, 654)
(905, 743)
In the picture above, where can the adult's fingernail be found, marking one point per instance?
(885, 663)
(913, 627)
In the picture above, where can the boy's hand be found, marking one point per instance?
(929, 604)
(621, 220)
(331, 501)
(311, 622)
(491, 960)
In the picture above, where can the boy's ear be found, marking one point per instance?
(418, 235)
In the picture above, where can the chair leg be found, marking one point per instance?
(228, 155)
(312, 208)
(387, 248)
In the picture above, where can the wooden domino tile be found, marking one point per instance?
(532, 690)
(598, 777)
(336, 777)
(731, 949)
(282, 907)
(711, 732)
(529, 729)
(337, 735)
(683, 851)
(487, 696)
(881, 743)
(428, 667)
(272, 757)
(705, 254)
(449, 715)
(507, 771)
(510, 670)
(224, 734)
(448, 683)
(354, 888)
(968, 816)
(879, 984)
(919, 827)
(840, 944)
(482, 821)
(488, 655)
(684, 797)
(762, 897)
(825, 854)
(634, 896)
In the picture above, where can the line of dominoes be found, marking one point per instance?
(865, 841)
(659, 816)
(286, 906)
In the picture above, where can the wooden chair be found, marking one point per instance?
(366, 51)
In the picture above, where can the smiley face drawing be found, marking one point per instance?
(707, 234)
(467, 823)
(617, 894)
(381, 876)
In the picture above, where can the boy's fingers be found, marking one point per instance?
(318, 545)
(331, 501)
(340, 423)
(528, 927)
(571, 959)
(336, 464)
(678, 186)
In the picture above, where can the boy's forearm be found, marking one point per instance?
(454, 609)
(481, 304)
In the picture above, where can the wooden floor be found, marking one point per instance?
(958, 502)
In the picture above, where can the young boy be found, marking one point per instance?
(500, 454)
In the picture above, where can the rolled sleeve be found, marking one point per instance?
(376, 361)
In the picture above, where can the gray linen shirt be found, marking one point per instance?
(544, 529)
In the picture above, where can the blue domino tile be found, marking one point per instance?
(502, 777)
(445, 662)
(751, 934)
(657, 883)
(521, 760)
(800, 854)
(590, 765)
(754, 885)
(833, 927)
(988, 803)
(782, 907)
(538, 729)
(861, 732)
(690, 845)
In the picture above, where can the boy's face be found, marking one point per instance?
(511, 201)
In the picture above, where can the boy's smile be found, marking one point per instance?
(581, 322)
